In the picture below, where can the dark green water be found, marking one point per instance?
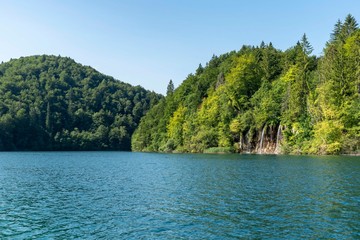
(114, 195)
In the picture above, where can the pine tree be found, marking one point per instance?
(170, 88)
(199, 70)
(336, 32)
(350, 26)
(305, 45)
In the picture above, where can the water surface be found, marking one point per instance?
(116, 195)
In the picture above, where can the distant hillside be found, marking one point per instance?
(263, 100)
(54, 103)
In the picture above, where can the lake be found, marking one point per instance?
(119, 195)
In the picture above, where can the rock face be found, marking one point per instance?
(266, 141)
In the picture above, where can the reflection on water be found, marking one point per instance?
(116, 195)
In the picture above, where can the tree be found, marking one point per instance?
(306, 46)
(199, 70)
(54, 103)
(313, 103)
(350, 26)
(175, 126)
(170, 88)
(337, 31)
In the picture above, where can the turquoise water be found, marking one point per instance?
(115, 195)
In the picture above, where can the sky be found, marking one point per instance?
(149, 42)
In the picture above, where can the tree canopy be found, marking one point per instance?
(54, 103)
(261, 99)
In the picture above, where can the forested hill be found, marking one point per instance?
(54, 103)
(263, 100)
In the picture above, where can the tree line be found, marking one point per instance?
(263, 99)
(54, 103)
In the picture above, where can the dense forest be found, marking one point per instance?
(263, 100)
(54, 103)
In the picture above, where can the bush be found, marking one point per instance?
(219, 150)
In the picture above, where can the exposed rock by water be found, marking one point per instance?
(266, 141)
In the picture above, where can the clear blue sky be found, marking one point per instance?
(149, 42)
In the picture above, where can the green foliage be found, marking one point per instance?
(170, 88)
(175, 126)
(219, 150)
(242, 81)
(53, 103)
(328, 137)
(337, 103)
(315, 102)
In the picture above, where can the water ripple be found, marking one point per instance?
(158, 196)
